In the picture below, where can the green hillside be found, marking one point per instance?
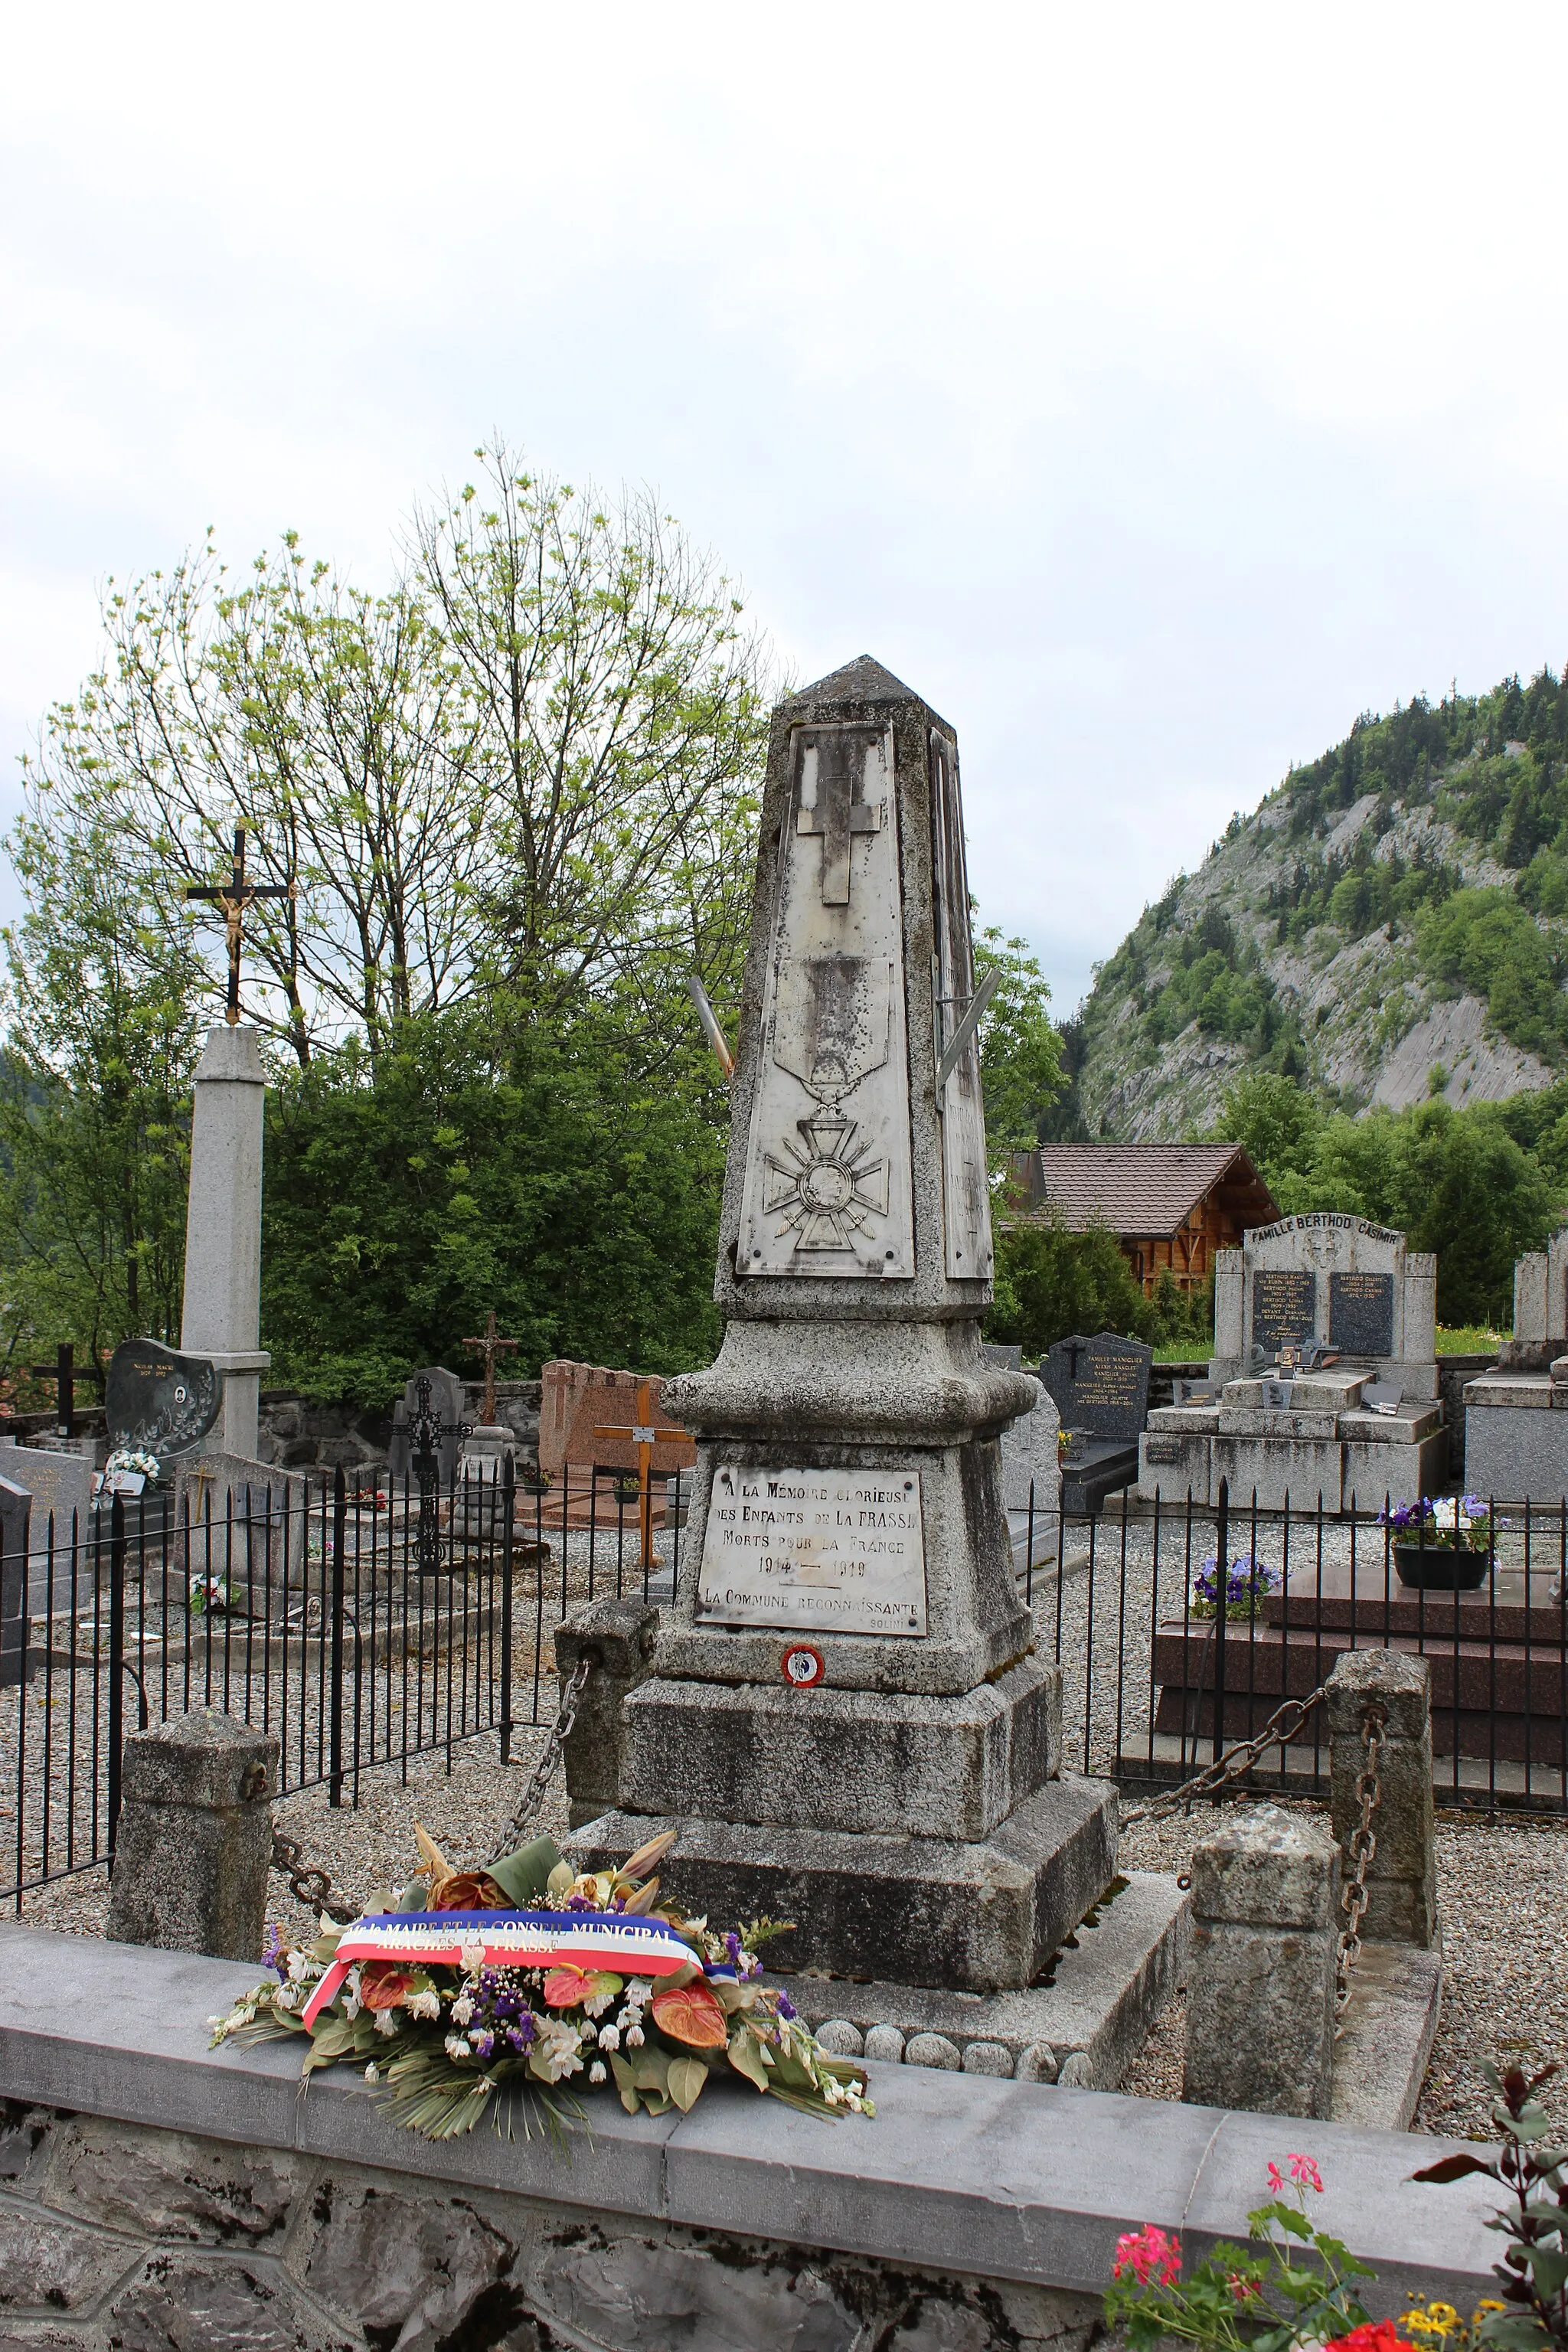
(1390, 924)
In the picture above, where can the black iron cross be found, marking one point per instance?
(835, 814)
(427, 1434)
(234, 897)
(1075, 1349)
(66, 1376)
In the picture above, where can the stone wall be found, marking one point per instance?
(301, 1436)
(160, 2196)
(118, 2234)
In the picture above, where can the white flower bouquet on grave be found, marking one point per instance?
(128, 1471)
(521, 1976)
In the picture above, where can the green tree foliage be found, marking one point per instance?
(574, 1188)
(1020, 1052)
(1276, 1122)
(1051, 1282)
(94, 1098)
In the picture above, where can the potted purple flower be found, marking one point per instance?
(1440, 1545)
(1247, 1583)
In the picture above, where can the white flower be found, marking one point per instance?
(634, 2037)
(284, 1997)
(472, 1953)
(599, 2004)
(555, 2050)
(483, 2082)
(458, 2050)
(462, 2009)
(426, 2004)
(385, 2023)
(609, 2038)
(351, 2008)
(296, 1966)
(639, 1992)
(1445, 1512)
(598, 2072)
(373, 2073)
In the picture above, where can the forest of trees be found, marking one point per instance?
(517, 794)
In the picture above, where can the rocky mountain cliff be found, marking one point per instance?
(1392, 922)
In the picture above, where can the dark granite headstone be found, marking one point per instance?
(446, 1403)
(159, 1403)
(1360, 1313)
(1284, 1308)
(1100, 1386)
(15, 1507)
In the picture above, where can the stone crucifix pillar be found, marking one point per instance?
(222, 1318)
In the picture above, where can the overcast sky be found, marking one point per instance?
(1152, 388)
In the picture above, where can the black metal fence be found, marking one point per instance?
(365, 1624)
(1166, 1659)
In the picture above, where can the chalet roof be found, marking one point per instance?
(1145, 1191)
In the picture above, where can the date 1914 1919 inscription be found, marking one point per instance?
(841, 1551)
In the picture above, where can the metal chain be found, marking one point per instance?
(1360, 1848)
(311, 1888)
(314, 1888)
(1281, 1725)
(550, 1756)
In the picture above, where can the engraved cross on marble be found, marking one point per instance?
(834, 766)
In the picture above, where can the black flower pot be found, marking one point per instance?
(1441, 1569)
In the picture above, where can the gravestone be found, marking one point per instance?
(221, 1318)
(446, 1402)
(15, 1510)
(1325, 1365)
(158, 1402)
(847, 1713)
(1540, 1306)
(1333, 1283)
(242, 1527)
(61, 1487)
(1100, 1387)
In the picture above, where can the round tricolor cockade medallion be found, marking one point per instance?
(803, 1666)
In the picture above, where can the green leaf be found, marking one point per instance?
(687, 2076)
(522, 1877)
(1452, 2168)
(1549, 2270)
(746, 2055)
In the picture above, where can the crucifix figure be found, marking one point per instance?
(645, 1434)
(487, 1348)
(828, 807)
(234, 897)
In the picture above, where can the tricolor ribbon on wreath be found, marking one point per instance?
(507, 1939)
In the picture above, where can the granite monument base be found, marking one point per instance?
(982, 1915)
(932, 1764)
(1516, 1437)
(1082, 2023)
(1307, 1441)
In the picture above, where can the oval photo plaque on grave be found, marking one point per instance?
(157, 1401)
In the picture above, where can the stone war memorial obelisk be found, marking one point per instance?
(847, 1716)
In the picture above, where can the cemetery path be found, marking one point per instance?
(1502, 1894)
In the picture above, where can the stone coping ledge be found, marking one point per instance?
(1010, 2180)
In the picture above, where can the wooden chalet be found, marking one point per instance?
(1171, 1205)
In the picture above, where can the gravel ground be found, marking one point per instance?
(1503, 1893)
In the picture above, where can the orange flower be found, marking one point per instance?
(468, 1890)
(689, 2013)
(383, 1983)
(565, 1988)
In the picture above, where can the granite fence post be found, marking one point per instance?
(194, 1842)
(1401, 1879)
(618, 1635)
(1261, 1975)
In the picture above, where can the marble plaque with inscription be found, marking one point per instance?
(832, 1551)
(1284, 1308)
(1360, 1313)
